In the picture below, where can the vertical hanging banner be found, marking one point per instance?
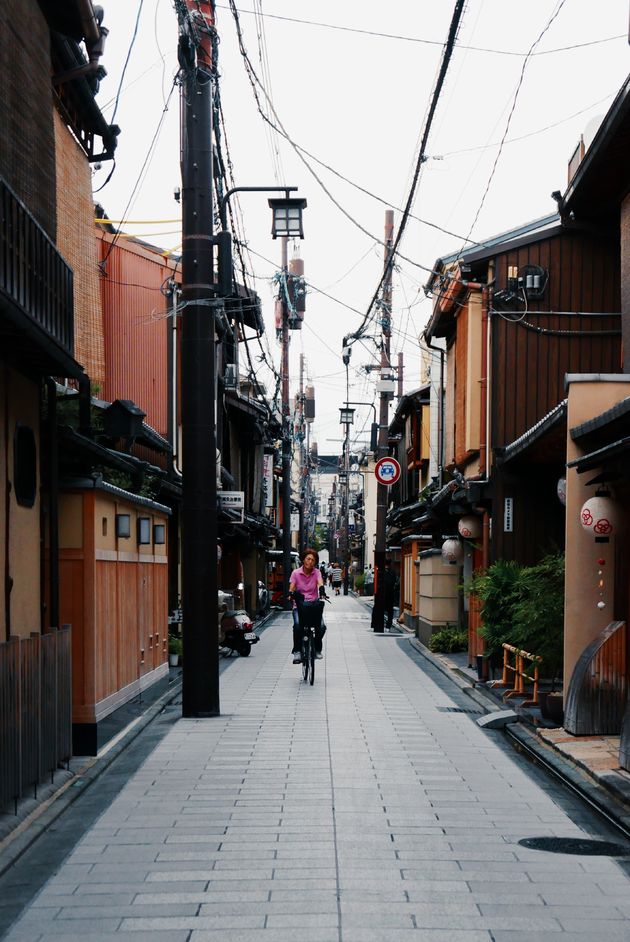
(508, 514)
(267, 481)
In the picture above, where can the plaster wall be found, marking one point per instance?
(583, 621)
(21, 532)
(437, 595)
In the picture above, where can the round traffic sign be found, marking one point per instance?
(387, 470)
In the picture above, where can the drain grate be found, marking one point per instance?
(458, 710)
(576, 845)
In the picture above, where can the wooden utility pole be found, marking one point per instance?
(199, 517)
(378, 611)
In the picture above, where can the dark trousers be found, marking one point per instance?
(297, 634)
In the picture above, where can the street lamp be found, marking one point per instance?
(346, 416)
(286, 224)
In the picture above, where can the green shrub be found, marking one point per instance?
(499, 588)
(359, 580)
(523, 606)
(538, 617)
(448, 640)
(175, 645)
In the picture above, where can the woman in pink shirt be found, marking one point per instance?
(306, 580)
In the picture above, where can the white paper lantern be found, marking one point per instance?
(597, 516)
(452, 551)
(469, 527)
(561, 491)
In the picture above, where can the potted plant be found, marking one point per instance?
(175, 648)
(359, 582)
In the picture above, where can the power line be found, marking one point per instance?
(122, 76)
(446, 58)
(417, 39)
(519, 84)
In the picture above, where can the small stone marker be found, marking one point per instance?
(497, 720)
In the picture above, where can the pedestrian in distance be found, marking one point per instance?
(345, 578)
(390, 587)
(329, 570)
(307, 580)
(336, 578)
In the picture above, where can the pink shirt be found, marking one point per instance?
(307, 585)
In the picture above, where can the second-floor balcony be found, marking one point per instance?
(36, 299)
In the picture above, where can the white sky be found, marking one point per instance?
(358, 102)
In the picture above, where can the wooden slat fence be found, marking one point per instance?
(598, 689)
(35, 711)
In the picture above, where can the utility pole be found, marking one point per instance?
(199, 517)
(400, 374)
(378, 612)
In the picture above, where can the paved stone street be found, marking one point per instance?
(363, 809)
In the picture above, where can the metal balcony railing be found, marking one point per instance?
(33, 275)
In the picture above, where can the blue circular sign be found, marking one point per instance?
(387, 471)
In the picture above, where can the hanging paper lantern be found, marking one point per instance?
(452, 551)
(469, 527)
(561, 491)
(597, 516)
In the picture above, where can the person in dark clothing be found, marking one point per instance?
(345, 578)
(390, 592)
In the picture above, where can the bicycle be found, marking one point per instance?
(310, 615)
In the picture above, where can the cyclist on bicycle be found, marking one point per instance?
(308, 582)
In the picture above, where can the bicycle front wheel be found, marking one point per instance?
(306, 655)
(311, 662)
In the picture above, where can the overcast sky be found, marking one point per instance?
(352, 86)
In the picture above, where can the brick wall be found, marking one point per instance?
(27, 149)
(76, 242)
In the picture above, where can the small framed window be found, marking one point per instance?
(159, 533)
(24, 465)
(144, 530)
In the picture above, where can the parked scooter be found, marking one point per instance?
(263, 598)
(237, 633)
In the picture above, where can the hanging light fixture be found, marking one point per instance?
(452, 551)
(469, 527)
(561, 491)
(597, 516)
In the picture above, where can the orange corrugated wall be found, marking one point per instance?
(136, 327)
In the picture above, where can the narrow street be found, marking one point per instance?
(367, 808)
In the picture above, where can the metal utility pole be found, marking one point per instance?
(400, 374)
(378, 612)
(199, 517)
(286, 428)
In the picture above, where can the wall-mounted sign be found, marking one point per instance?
(508, 514)
(235, 500)
(267, 482)
(387, 471)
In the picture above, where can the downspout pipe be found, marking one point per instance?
(440, 410)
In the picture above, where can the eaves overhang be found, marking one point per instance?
(601, 180)
(555, 420)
